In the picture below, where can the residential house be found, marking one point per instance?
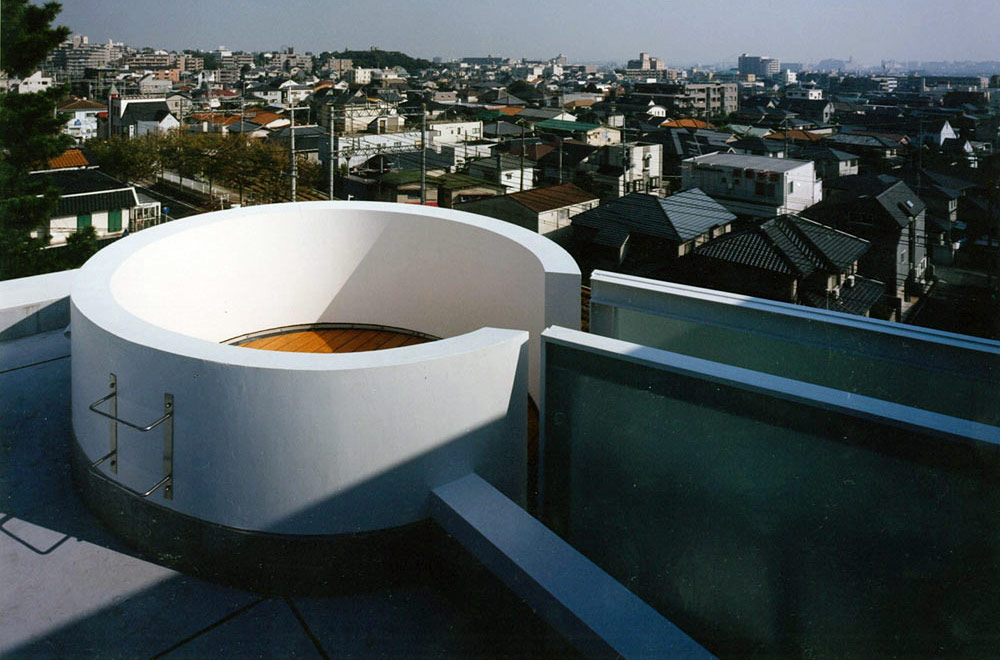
(541, 210)
(454, 132)
(758, 146)
(819, 111)
(886, 212)
(404, 187)
(454, 189)
(563, 162)
(91, 198)
(649, 230)
(616, 170)
(945, 232)
(81, 118)
(180, 104)
(150, 85)
(755, 186)
(310, 140)
(593, 134)
(830, 163)
(876, 153)
(791, 259)
(134, 117)
(36, 82)
(514, 173)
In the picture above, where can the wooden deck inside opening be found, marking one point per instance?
(336, 340)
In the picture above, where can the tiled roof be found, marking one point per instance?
(460, 181)
(888, 192)
(69, 158)
(562, 125)
(553, 197)
(795, 135)
(82, 104)
(790, 245)
(686, 123)
(678, 218)
(106, 201)
(73, 182)
(857, 298)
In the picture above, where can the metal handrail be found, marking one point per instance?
(168, 439)
(141, 429)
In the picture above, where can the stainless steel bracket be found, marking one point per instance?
(167, 420)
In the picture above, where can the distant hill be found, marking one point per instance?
(383, 59)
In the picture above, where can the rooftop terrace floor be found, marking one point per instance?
(70, 589)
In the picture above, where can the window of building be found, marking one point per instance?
(83, 220)
(115, 220)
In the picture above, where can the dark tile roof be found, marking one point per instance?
(135, 112)
(898, 201)
(678, 218)
(817, 153)
(74, 182)
(92, 203)
(790, 245)
(854, 299)
(758, 145)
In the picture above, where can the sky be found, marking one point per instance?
(694, 31)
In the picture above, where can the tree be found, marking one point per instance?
(27, 37)
(127, 159)
(30, 134)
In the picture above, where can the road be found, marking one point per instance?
(172, 206)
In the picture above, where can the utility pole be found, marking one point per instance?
(560, 158)
(334, 155)
(522, 156)
(423, 154)
(295, 169)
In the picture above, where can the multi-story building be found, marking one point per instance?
(755, 186)
(646, 63)
(759, 66)
(706, 99)
(157, 60)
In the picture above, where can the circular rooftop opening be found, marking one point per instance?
(409, 345)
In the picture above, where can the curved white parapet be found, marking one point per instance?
(317, 443)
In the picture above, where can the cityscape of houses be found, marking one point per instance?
(742, 379)
(762, 140)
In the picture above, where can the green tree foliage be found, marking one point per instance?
(383, 59)
(29, 136)
(27, 36)
(129, 160)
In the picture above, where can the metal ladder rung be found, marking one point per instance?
(168, 439)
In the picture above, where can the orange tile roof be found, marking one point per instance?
(510, 111)
(68, 158)
(686, 123)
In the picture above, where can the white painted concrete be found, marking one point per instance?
(309, 443)
(30, 305)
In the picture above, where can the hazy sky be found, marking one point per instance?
(692, 31)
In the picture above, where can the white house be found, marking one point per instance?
(81, 118)
(91, 198)
(754, 185)
(513, 176)
(36, 82)
(454, 132)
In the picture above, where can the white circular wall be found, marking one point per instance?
(310, 443)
